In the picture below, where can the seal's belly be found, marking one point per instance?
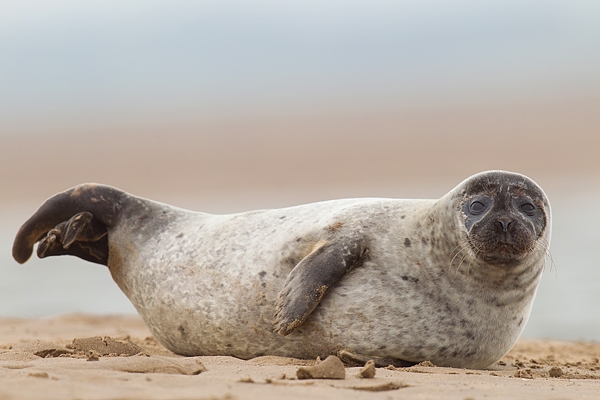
(226, 308)
(375, 315)
(206, 288)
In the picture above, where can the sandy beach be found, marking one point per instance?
(61, 358)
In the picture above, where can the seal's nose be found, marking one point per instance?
(504, 223)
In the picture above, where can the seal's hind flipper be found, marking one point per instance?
(74, 222)
(312, 277)
(82, 236)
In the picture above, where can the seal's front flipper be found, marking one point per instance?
(82, 236)
(312, 277)
(358, 360)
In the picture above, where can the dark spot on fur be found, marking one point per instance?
(470, 335)
(497, 302)
(264, 284)
(407, 242)
(180, 235)
(402, 217)
(228, 345)
(424, 240)
(181, 330)
(520, 322)
(382, 347)
(282, 217)
(262, 274)
(410, 278)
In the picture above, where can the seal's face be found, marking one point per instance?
(505, 217)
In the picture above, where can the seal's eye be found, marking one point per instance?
(476, 207)
(528, 208)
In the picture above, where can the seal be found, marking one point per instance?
(399, 281)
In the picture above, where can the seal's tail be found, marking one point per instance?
(73, 222)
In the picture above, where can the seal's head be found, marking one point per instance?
(506, 217)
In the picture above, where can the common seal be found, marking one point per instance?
(450, 280)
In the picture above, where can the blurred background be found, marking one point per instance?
(227, 106)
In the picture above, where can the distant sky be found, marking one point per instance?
(87, 62)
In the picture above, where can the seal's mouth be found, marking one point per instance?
(501, 250)
(504, 254)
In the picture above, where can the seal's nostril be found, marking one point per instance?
(504, 223)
